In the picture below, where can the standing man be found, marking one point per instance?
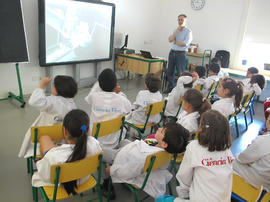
(180, 40)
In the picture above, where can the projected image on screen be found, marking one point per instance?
(77, 31)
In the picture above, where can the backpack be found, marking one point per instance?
(224, 57)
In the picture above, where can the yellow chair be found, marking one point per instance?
(152, 162)
(265, 197)
(194, 135)
(66, 172)
(55, 132)
(244, 107)
(199, 87)
(152, 109)
(212, 89)
(108, 127)
(241, 190)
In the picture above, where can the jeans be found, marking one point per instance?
(177, 60)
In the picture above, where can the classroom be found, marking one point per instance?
(238, 26)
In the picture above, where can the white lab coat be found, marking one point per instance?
(223, 73)
(144, 98)
(208, 83)
(204, 175)
(253, 164)
(245, 81)
(199, 81)
(105, 106)
(225, 106)
(189, 121)
(249, 88)
(52, 111)
(128, 167)
(57, 155)
(174, 97)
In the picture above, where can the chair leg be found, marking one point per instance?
(236, 126)
(245, 116)
(31, 169)
(135, 195)
(35, 194)
(170, 188)
(99, 193)
(28, 165)
(252, 108)
(109, 189)
(251, 116)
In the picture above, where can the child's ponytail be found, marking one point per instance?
(197, 100)
(76, 122)
(239, 94)
(235, 89)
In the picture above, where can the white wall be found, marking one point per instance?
(258, 29)
(215, 27)
(148, 23)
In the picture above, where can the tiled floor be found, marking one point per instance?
(14, 121)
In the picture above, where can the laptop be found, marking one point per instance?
(147, 54)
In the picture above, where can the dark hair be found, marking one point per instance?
(176, 136)
(253, 70)
(197, 100)
(186, 73)
(215, 134)
(216, 60)
(214, 67)
(107, 80)
(235, 88)
(182, 15)
(259, 79)
(76, 122)
(65, 86)
(153, 82)
(200, 71)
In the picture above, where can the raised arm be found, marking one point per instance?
(38, 98)
(172, 38)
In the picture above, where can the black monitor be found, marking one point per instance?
(75, 31)
(13, 47)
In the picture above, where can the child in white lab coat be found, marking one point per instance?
(222, 73)
(198, 75)
(213, 71)
(107, 102)
(52, 108)
(253, 164)
(250, 72)
(78, 145)
(184, 83)
(205, 173)
(231, 94)
(256, 84)
(129, 162)
(145, 97)
(194, 104)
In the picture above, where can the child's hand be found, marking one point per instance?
(117, 89)
(107, 170)
(44, 82)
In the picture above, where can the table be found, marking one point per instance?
(138, 64)
(203, 56)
